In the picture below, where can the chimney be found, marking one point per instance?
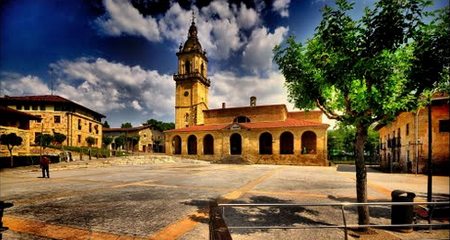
(223, 105)
(252, 101)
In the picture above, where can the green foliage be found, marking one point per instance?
(10, 140)
(120, 141)
(43, 140)
(59, 138)
(107, 140)
(90, 141)
(126, 125)
(159, 125)
(363, 71)
(106, 124)
(85, 150)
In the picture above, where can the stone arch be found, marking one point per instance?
(208, 144)
(176, 145)
(309, 142)
(192, 145)
(241, 119)
(235, 144)
(287, 143)
(265, 143)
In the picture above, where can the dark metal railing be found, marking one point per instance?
(220, 231)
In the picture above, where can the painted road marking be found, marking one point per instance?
(43, 229)
(187, 224)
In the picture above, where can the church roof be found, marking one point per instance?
(192, 44)
(288, 123)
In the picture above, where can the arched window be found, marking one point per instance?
(176, 145)
(202, 68)
(309, 140)
(192, 145)
(265, 143)
(208, 145)
(235, 144)
(241, 119)
(187, 67)
(287, 143)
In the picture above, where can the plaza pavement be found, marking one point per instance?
(158, 197)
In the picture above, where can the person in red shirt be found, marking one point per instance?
(45, 166)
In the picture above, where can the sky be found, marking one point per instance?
(117, 57)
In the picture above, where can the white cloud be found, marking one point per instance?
(247, 17)
(107, 86)
(123, 18)
(135, 104)
(268, 90)
(14, 84)
(257, 55)
(282, 7)
(219, 24)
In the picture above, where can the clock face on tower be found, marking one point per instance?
(186, 93)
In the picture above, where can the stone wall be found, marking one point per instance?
(17, 150)
(414, 150)
(256, 114)
(250, 146)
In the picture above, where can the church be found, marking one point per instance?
(256, 134)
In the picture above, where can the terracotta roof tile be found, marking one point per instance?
(47, 99)
(13, 112)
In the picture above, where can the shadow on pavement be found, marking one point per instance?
(351, 168)
(262, 216)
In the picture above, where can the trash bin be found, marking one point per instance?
(402, 214)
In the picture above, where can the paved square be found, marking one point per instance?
(110, 199)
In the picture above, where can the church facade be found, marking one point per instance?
(266, 134)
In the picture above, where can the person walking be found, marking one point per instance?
(45, 166)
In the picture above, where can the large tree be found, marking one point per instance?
(160, 125)
(10, 140)
(359, 72)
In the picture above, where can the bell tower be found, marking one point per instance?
(192, 84)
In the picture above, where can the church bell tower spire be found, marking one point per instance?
(192, 84)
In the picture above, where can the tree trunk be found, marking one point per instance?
(361, 175)
(12, 158)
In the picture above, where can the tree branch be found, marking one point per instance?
(328, 112)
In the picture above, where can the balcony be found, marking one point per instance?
(196, 74)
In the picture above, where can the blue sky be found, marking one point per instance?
(118, 57)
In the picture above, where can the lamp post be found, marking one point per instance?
(429, 164)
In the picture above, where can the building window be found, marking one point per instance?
(90, 127)
(287, 143)
(265, 143)
(444, 125)
(79, 124)
(96, 129)
(57, 119)
(40, 120)
(34, 107)
(241, 119)
(79, 138)
(36, 137)
(42, 107)
(407, 129)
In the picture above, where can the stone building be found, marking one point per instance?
(59, 115)
(404, 141)
(13, 121)
(258, 134)
(150, 139)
